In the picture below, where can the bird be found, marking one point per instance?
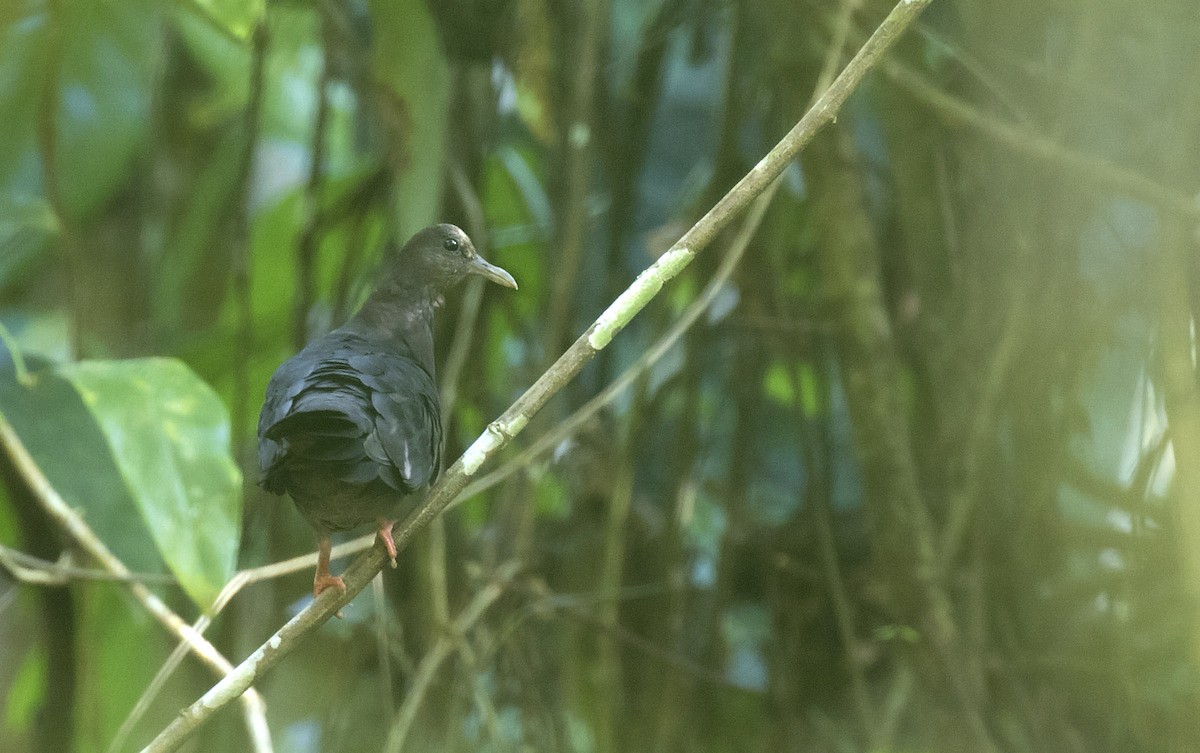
(351, 426)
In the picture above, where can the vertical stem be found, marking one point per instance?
(306, 248)
(1176, 360)
(588, 22)
(382, 646)
(240, 253)
(902, 529)
(608, 691)
(820, 499)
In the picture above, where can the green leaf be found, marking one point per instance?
(25, 693)
(68, 447)
(551, 498)
(409, 62)
(169, 433)
(26, 226)
(779, 385)
(237, 17)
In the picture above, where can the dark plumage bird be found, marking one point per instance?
(351, 425)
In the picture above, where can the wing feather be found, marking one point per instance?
(352, 408)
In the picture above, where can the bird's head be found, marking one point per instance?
(442, 255)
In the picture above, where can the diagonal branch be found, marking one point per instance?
(568, 365)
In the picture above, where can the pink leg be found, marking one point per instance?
(384, 531)
(323, 578)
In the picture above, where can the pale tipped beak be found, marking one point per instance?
(484, 268)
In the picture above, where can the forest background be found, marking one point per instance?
(908, 459)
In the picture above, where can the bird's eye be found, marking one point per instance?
(450, 244)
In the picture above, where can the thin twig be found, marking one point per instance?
(543, 603)
(609, 394)
(39, 572)
(379, 597)
(71, 522)
(512, 421)
(468, 314)
(14, 352)
(1022, 140)
(586, 25)
(819, 498)
(445, 645)
(240, 580)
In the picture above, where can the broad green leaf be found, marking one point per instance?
(169, 433)
(63, 439)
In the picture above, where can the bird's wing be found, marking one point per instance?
(406, 439)
(287, 381)
(354, 409)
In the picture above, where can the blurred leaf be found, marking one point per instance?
(46, 334)
(534, 71)
(26, 224)
(225, 60)
(109, 54)
(294, 61)
(9, 530)
(519, 217)
(551, 498)
(187, 254)
(169, 433)
(237, 17)
(900, 633)
(25, 693)
(120, 649)
(536, 202)
(779, 385)
(22, 73)
(408, 61)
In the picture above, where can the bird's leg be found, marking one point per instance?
(323, 578)
(385, 535)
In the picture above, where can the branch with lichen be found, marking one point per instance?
(569, 364)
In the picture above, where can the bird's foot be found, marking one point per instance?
(326, 580)
(385, 535)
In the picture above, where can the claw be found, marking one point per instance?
(322, 582)
(385, 535)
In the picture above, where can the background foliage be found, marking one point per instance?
(923, 478)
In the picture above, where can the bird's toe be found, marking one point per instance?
(326, 581)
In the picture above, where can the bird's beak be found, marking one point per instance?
(483, 268)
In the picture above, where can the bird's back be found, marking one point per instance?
(350, 426)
